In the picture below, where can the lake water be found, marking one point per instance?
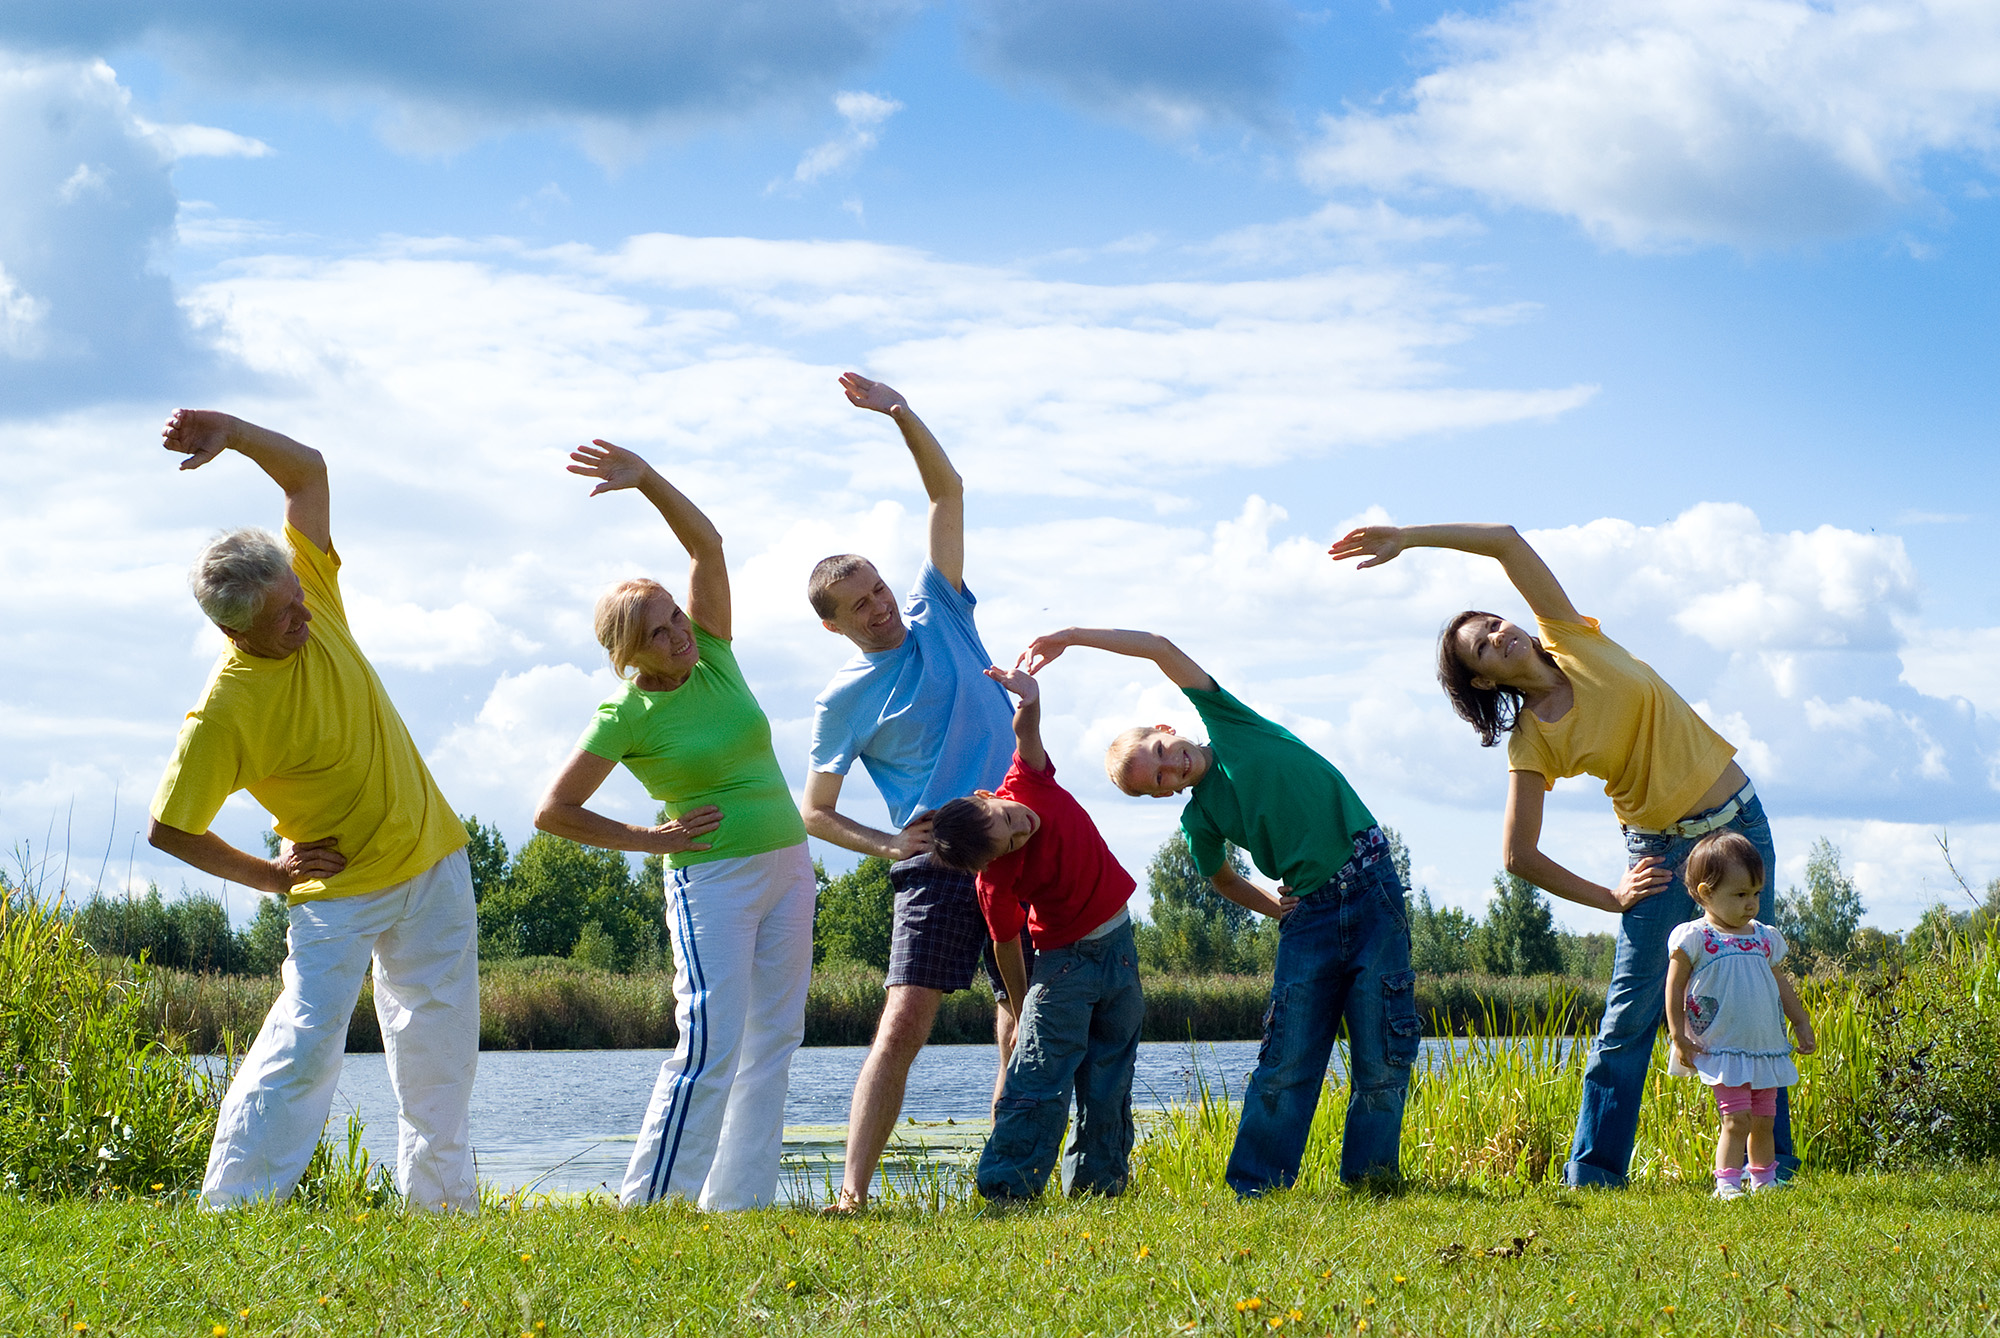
(565, 1120)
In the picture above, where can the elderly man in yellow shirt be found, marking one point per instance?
(373, 862)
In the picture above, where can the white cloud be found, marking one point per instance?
(1659, 123)
(1956, 662)
(1336, 227)
(864, 114)
(203, 141)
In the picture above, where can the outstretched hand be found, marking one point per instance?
(613, 466)
(1042, 651)
(199, 434)
(1375, 543)
(866, 394)
(1022, 685)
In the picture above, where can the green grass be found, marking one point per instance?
(1838, 1254)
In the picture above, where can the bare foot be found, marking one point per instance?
(846, 1204)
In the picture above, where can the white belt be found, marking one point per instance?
(1115, 923)
(1706, 822)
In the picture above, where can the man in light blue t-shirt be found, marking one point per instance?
(916, 708)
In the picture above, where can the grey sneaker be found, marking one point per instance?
(1728, 1189)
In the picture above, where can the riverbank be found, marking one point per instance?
(557, 1004)
(1837, 1255)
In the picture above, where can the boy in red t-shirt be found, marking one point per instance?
(1042, 863)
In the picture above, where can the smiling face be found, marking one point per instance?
(280, 627)
(1496, 652)
(669, 652)
(1162, 763)
(865, 612)
(1731, 900)
(1009, 824)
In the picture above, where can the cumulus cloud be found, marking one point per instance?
(85, 203)
(453, 68)
(1169, 66)
(1660, 123)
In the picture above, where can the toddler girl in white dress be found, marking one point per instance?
(1727, 1005)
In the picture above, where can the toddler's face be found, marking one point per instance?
(1732, 902)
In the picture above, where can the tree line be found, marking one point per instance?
(556, 898)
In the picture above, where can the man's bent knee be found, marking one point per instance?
(907, 1015)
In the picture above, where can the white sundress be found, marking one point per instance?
(1733, 1008)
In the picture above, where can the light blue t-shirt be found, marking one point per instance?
(924, 718)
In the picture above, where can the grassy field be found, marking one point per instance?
(1905, 1254)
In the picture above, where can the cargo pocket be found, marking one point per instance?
(1405, 1031)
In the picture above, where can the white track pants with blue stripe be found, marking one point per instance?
(742, 933)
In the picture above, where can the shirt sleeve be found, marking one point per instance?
(1684, 933)
(997, 903)
(606, 735)
(1527, 752)
(207, 767)
(833, 744)
(1205, 843)
(1778, 945)
(319, 575)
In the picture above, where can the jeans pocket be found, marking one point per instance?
(1405, 1031)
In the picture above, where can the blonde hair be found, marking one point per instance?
(620, 619)
(1119, 755)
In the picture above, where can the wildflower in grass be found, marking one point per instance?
(1570, 1299)
(1276, 1322)
(1249, 1303)
(541, 1325)
(158, 1188)
(219, 1331)
(1144, 1251)
(1666, 1310)
(81, 1327)
(1400, 1279)
(1361, 1326)
(1324, 1276)
(361, 1217)
(526, 1257)
(789, 1285)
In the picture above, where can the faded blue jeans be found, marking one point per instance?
(1079, 1033)
(1343, 954)
(1614, 1080)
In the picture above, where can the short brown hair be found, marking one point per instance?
(1716, 854)
(828, 573)
(961, 836)
(620, 619)
(1119, 755)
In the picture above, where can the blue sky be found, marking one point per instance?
(1700, 294)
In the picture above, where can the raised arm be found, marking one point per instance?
(1521, 853)
(1376, 544)
(1174, 663)
(1027, 715)
(203, 434)
(614, 468)
(941, 482)
(562, 813)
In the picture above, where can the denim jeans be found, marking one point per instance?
(1343, 953)
(1614, 1080)
(1079, 1033)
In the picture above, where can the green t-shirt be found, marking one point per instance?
(706, 742)
(1268, 792)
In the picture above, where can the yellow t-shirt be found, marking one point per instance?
(314, 738)
(1626, 727)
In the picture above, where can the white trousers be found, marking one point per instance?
(423, 934)
(715, 1127)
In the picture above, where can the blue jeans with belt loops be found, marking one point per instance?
(1079, 1033)
(1614, 1079)
(1343, 955)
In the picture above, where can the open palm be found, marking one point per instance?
(613, 466)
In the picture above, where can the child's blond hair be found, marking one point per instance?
(1119, 755)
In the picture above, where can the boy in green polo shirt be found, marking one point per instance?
(1344, 951)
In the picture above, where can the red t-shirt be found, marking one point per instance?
(1065, 882)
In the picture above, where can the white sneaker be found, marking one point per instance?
(1728, 1189)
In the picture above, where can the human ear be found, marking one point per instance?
(831, 626)
(1483, 683)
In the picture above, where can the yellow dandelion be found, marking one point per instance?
(1295, 1314)
(1327, 1274)
(326, 1300)
(157, 1188)
(1276, 1321)
(526, 1257)
(540, 1325)
(1361, 1326)
(1144, 1251)
(243, 1313)
(1400, 1279)
(790, 1285)
(1570, 1299)
(467, 1305)
(80, 1327)
(361, 1217)
(1895, 1249)
(1666, 1310)
(1086, 1235)
(1368, 1300)
(219, 1331)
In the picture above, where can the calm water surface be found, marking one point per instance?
(565, 1120)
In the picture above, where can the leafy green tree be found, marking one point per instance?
(189, 933)
(1440, 936)
(855, 914)
(487, 851)
(1518, 936)
(1820, 920)
(554, 888)
(262, 942)
(1194, 930)
(1590, 956)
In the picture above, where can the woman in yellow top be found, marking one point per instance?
(1573, 702)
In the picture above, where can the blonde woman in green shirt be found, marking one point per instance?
(739, 882)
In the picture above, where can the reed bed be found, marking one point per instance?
(553, 1003)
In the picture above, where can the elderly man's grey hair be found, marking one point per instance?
(231, 575)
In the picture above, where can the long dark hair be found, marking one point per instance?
(1492, 711)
